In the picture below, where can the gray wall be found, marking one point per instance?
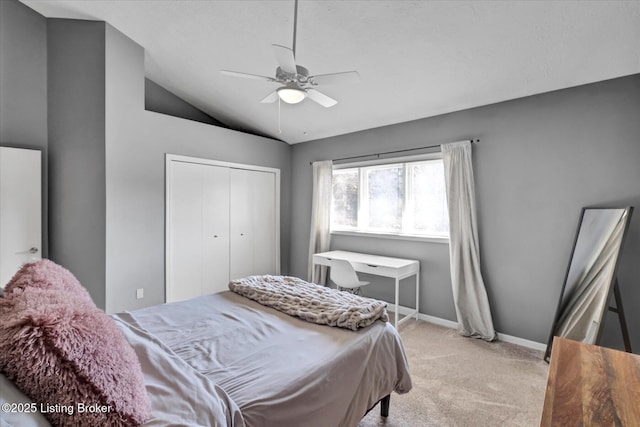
(160, 100)
(23, 76)
(136, 143)
(539, 161)
(76, 150)
(23, 86)
(107, 153)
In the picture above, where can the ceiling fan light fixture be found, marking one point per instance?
(291, 95)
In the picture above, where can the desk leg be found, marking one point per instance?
(417, 294)
(396, 300)
(313, 273)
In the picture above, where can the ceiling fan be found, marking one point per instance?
(296, 83)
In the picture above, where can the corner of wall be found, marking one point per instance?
(76, 102)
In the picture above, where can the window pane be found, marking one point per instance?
(385, 194)
(346, 183)
(430, 214)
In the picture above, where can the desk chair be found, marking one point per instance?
(345, 277)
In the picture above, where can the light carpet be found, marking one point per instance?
(463, 382)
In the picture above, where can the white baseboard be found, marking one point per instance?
(454, 325)
(521, 341)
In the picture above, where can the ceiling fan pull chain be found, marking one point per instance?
(295, 26)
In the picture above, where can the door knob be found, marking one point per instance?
(32, 250)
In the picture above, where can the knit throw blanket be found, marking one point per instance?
(311, 302)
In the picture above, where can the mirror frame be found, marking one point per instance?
(610, 285)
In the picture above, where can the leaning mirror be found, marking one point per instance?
(591, 277)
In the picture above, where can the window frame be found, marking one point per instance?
(407, 200)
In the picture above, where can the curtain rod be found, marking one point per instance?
(473, 141)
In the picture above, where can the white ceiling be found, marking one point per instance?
(415, 58)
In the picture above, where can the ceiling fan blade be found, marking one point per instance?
(335, 78)
(272, 97)
(285, 58)
(247, 76)
(321, 98)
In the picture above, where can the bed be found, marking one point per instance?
(225, 360)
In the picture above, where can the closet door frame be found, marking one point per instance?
(168, 203)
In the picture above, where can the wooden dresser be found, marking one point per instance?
(590, 385)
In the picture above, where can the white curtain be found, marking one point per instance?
(469, 294)
(320, 237)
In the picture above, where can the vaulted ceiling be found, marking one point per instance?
(415, 58)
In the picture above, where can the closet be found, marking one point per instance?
(222, 223)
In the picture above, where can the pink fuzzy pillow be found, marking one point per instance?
(46, 274)
(59, 349)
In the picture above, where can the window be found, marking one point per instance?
(401, 198)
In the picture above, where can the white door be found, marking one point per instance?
(198, 230)
(222, 223)
(215, 229)
(253, 223)
(241, 228)
(264, 223)
(20, 209)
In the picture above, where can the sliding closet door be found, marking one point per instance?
(241, 229)
(253, 223)
(184, 227)
(215, 229)
(222, 223)
(264, 223)
(197, 232)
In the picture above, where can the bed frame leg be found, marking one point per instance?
(384, 406)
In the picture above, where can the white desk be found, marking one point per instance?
(395, 268)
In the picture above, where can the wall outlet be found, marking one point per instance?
(139, 293)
